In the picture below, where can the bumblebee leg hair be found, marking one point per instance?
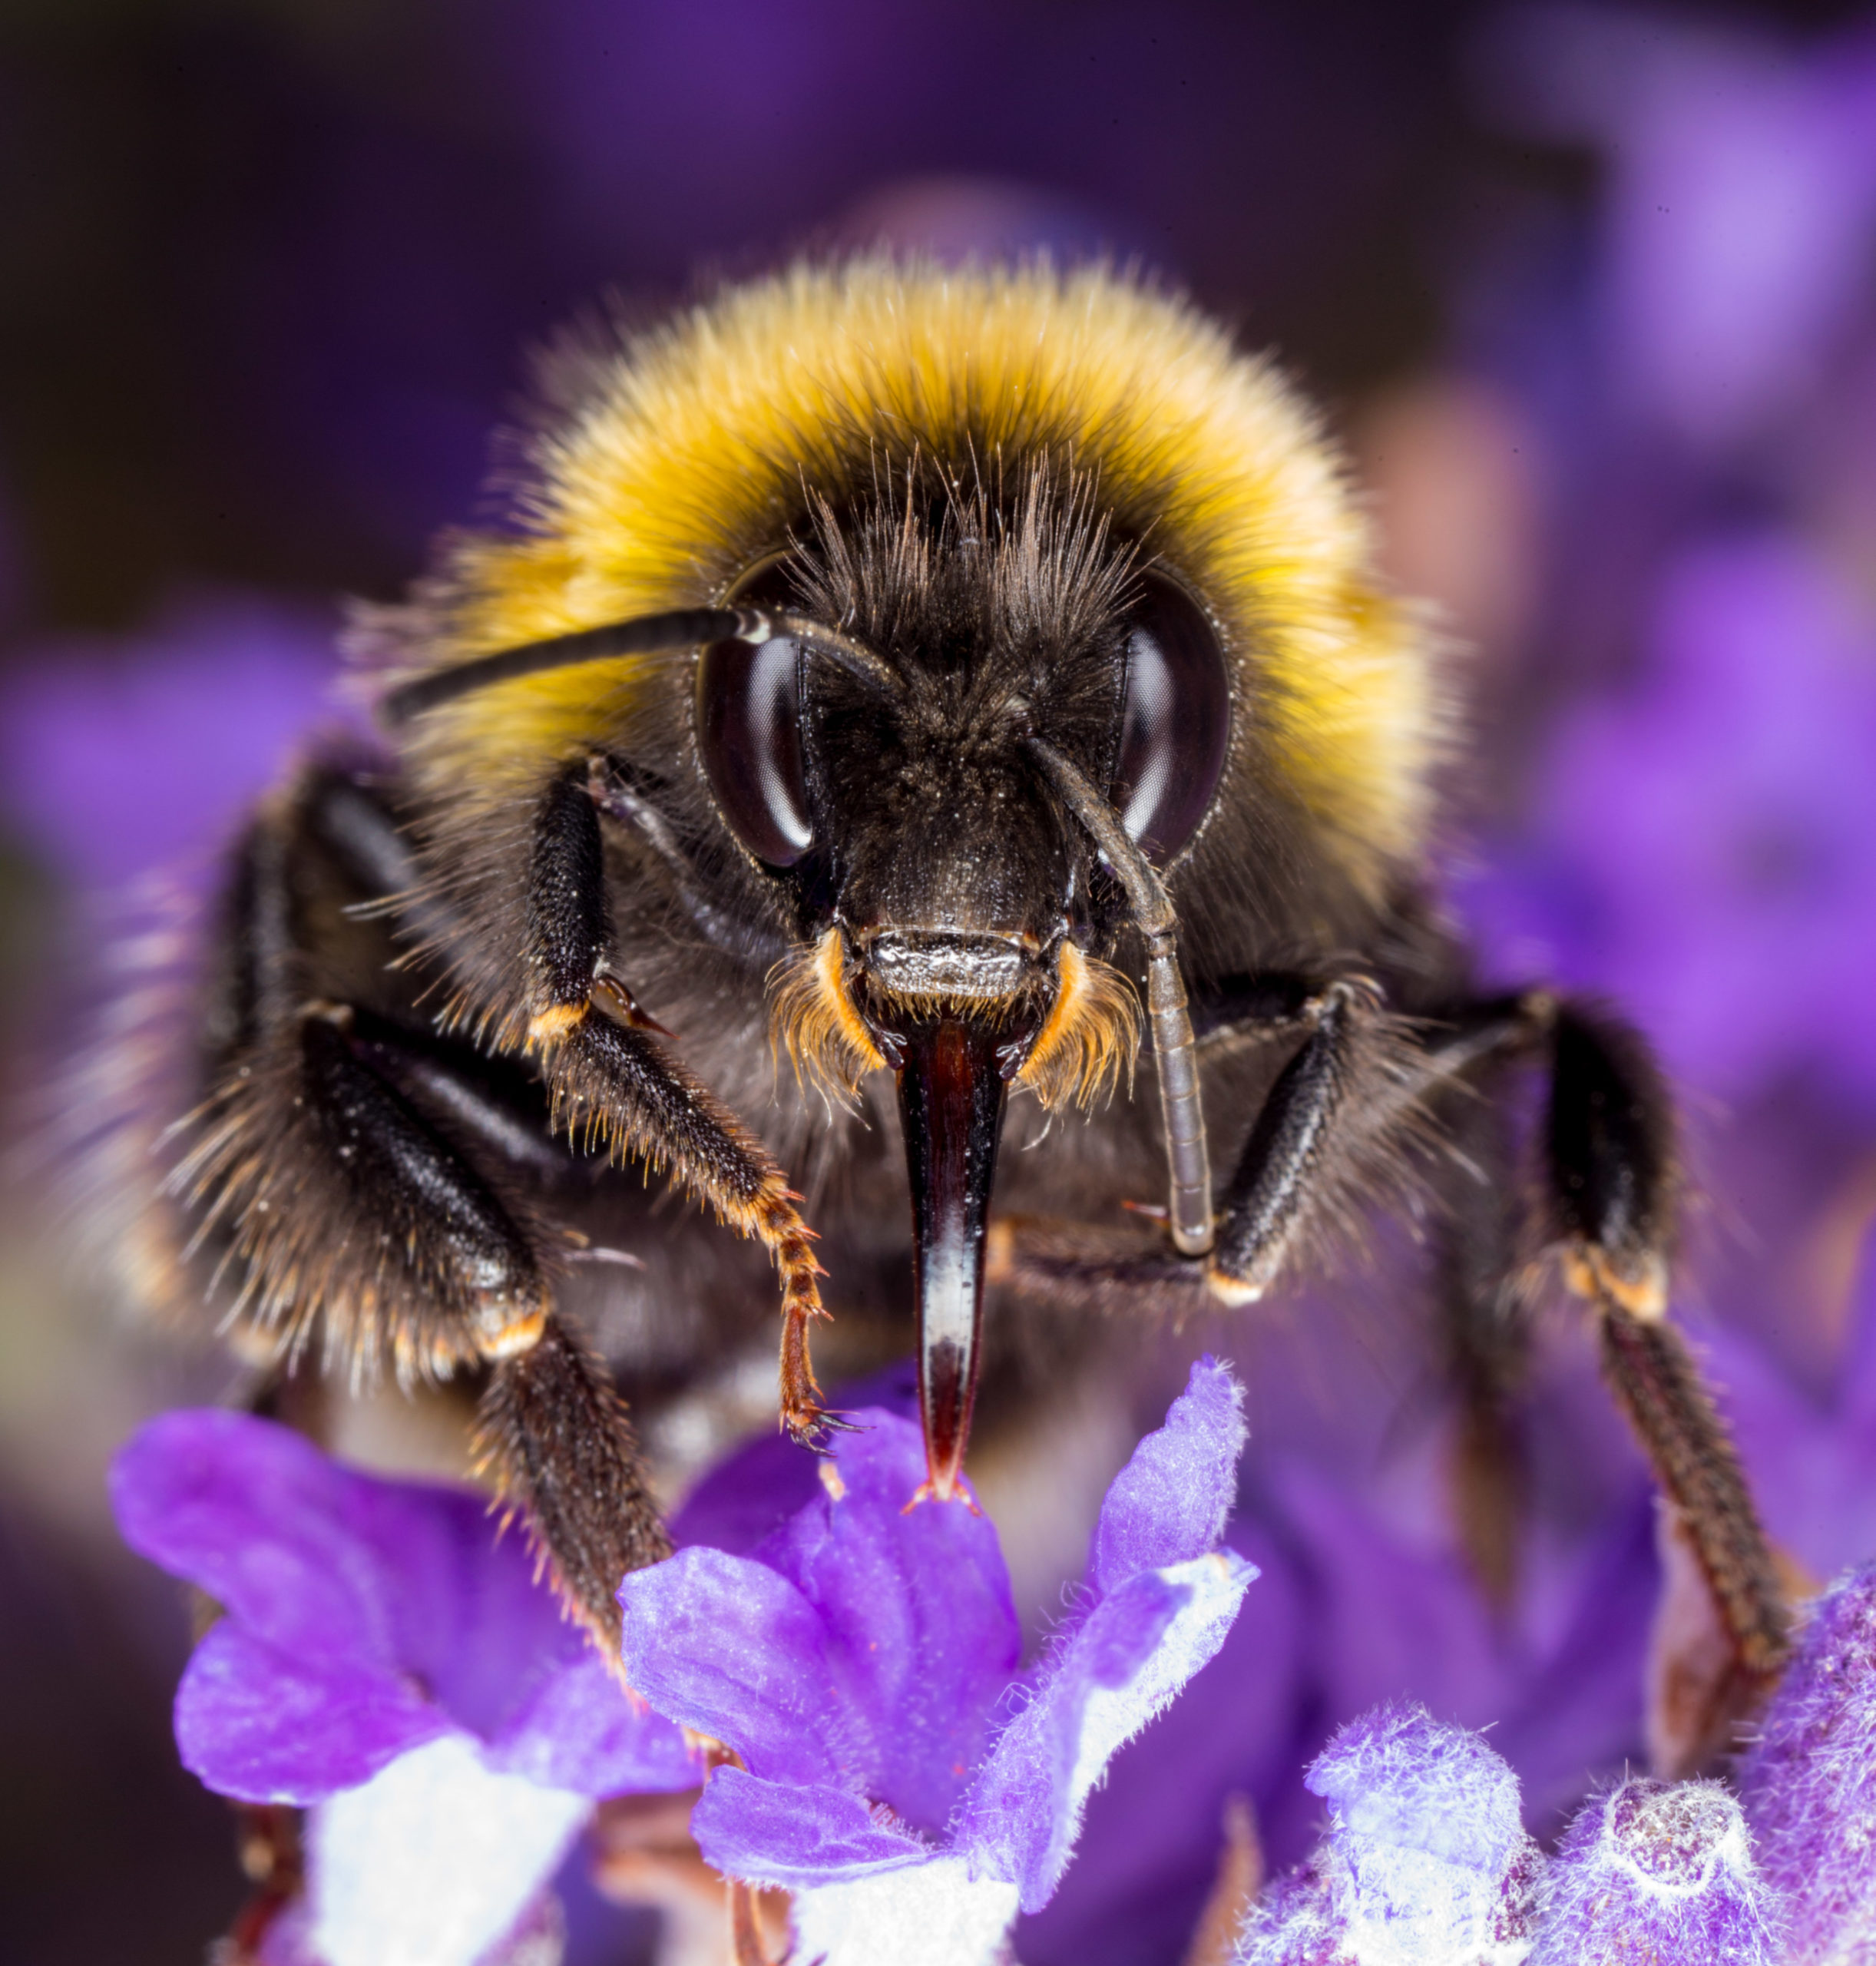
(623, 1086)
(555, 1432)
(1608, 1139)
(612, 1080)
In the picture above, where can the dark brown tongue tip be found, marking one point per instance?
(952, 1097)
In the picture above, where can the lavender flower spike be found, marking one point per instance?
(1426, 1859)
(858, 1660)
(1809, 1783)
(384, 1658)
(1656, 1871)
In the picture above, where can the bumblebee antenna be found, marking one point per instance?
(1188, 1160)
(645, 634)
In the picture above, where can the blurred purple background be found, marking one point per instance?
(1591, 294)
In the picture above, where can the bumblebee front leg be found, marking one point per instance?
(1279, 1178)
(1331, 1133)
(612, 1077)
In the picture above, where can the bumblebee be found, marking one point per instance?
(937, 682)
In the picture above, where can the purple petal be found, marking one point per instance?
(1652, 1871)
(258, 1518)
(1021, 1815)
(256, 1722)
(794, 1836)
(329, 1562)
(1809, 1781)
(914, 1603)
(1147, 1853)
(724, 1646)
(1168, 1504)
(398, 1599)
(745, 1500)
(748, 1498)
(581, 1730)
(868, 1652)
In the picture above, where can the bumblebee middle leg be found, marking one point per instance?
(1609, 1152)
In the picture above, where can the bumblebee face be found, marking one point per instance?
(955, 911)
(904, 809)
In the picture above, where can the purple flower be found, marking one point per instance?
(1700, 847)
(861, 1658)
(1425, 1863)
(119, 756)
(1426, 1858)
(1743, 199)
(384, 1654)
(1148, 1853)
(1652, 1870)
(1809, 1782)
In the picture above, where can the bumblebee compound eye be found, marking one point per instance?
(749, 737)
(1175, 722)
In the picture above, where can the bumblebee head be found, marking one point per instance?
(886, 771)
